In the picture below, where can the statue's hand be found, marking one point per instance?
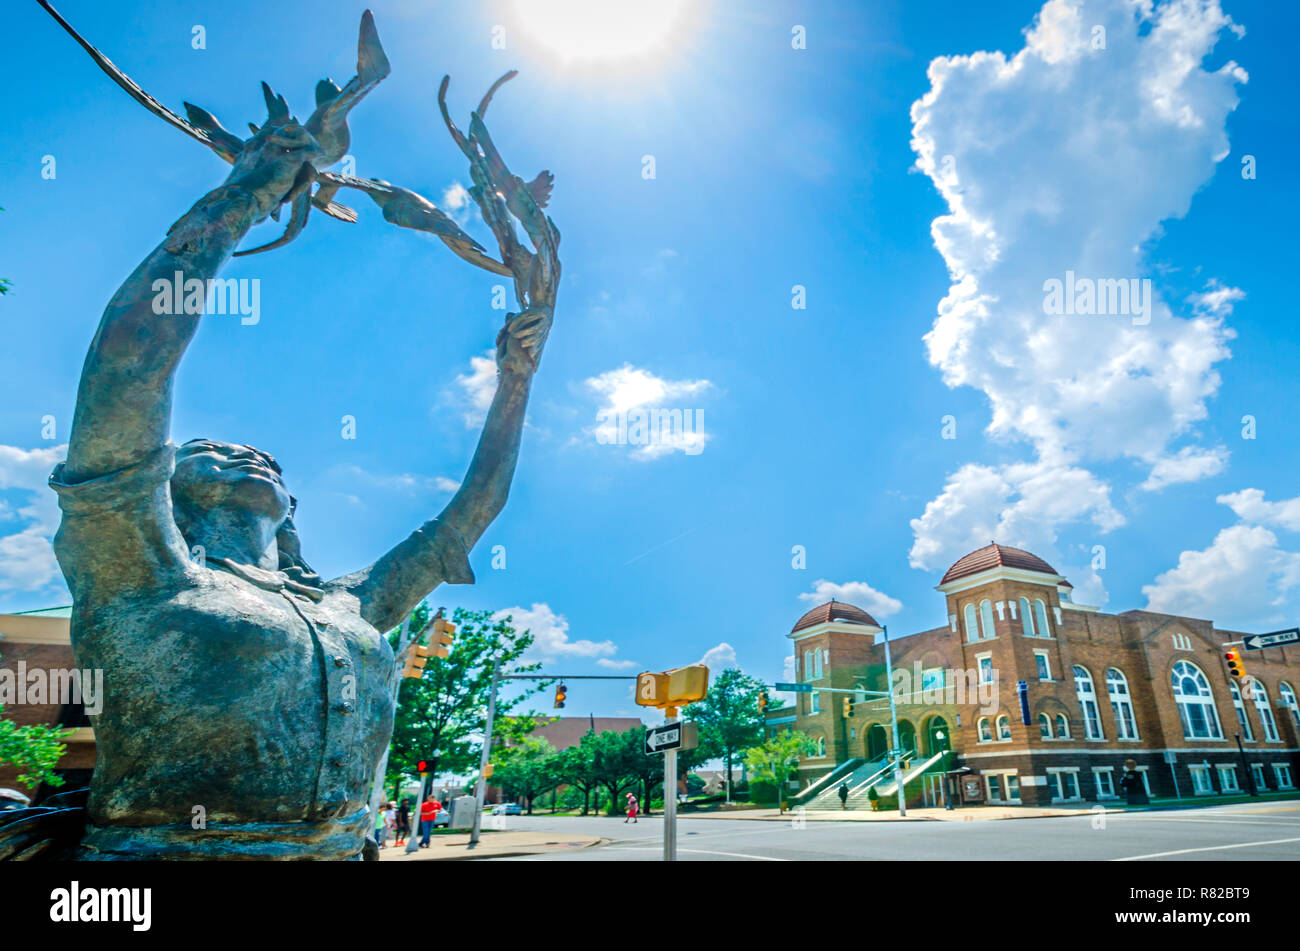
(522, 339)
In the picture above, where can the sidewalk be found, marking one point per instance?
(964, 814)
(491, 845)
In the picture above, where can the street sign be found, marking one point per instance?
(793, 688)
(1257, 642)
(672, 736)
(672, 688)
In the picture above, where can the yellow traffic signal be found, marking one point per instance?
(1233, 658)
(416, 658)
(687, 684)
(848, 708)
(651, 689)
(444, 632)
(560, 693)
(762, 702)
(487, 771)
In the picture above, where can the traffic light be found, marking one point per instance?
(429, 765)
(762, 702)
(416, 658)
(444, 632)
(848, 708)
(1233, 658)
(487, 771)
(560, 693)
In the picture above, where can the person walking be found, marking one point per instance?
(428, 817)
(844, 794)
(403, 822)
(382, 824)
(631, 809)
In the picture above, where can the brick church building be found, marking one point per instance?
(1099, 690)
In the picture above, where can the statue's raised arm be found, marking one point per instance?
(436, 552)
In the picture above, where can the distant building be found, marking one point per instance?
(564, 732)
(41, 643)
(1100, 689)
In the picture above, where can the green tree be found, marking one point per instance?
(33, 750)
(729, 717)
(527, 768)
(612, 762)
(446, 711)
(576, 768)
(776, 760)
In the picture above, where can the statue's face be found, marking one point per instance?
(214, 475)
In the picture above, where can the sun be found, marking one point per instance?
(599, 29)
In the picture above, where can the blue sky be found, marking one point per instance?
(774, 167)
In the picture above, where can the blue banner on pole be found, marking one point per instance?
(1022, 688)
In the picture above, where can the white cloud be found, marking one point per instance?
(1216, 299)
(1065, 158)
(1243, 578)
(1249, 506)
(1022, 504)
(478, 387)
(551, 633)
(858, 593)
(719, 657)
(1190, 464)
(630, 390)
(458, 205)
(615, 664)
(398, 482)
(27, 560)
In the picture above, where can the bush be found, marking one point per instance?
(762, 793)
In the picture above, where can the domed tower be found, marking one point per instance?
(833, 645)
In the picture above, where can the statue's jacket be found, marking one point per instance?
(244, 712)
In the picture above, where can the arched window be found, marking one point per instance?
(1121, 704)
(1195, 702)
(972, 632)
(1239, 705)
(1260, 693)
(1087, 695)
(986, 734)
(1026, 618)
(1045, 726)
(1062, 727)
(1040, 616)
(1004, 728)
(986, 619)
(821, 746)
(1289, 701)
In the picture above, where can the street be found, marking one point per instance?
(1248, 831)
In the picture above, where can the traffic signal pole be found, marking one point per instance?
(670, 795)
(893, 716)
(480, 791)
(413, 837)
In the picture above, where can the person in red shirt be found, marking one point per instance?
(631, 808)
(428, 815)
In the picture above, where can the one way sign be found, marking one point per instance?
(672, 736)
(1256, 642)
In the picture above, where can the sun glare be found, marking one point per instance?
(599, 29)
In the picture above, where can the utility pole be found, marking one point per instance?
(480, 791)
(670, 795)
(893, 716)
(1250, 775)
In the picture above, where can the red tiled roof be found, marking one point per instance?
(993, 556)
(833, 611)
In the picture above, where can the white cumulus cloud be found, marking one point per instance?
(1066, 156)
(628, 391)
(27, 560)
(719, 657)
(858, 593)
(551, 633)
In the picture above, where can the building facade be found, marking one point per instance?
(1098, 690)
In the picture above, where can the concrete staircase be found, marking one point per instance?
(878, 774)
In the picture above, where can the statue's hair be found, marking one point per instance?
(287, 542)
